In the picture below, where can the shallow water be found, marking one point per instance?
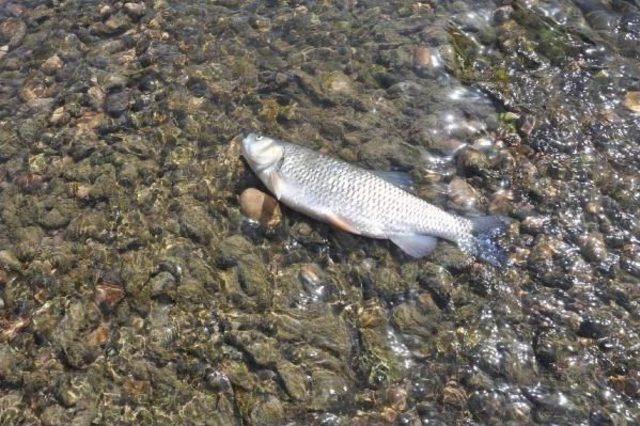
(133, 289)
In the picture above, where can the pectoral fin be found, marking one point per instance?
(415, 245)
(276, 185)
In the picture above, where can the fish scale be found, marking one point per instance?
(359, 201)
(371, 203)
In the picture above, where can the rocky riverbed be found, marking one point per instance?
(136, 289)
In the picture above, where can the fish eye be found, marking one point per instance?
(259, 138)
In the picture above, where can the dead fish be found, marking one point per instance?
(359, 201)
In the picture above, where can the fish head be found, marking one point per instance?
(261, 152)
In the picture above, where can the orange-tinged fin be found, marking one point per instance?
(341, 223)
(276, 184)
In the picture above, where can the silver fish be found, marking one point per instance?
(359, 201)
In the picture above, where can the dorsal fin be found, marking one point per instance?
(400, 179)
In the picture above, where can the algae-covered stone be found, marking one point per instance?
(263, 350)
(408, 318)
(328, 332)
(11, 365)
(294, 379)
(54, 219)
(13, 410)
(389, 283)
(206, 409)
(328, 389)
(378, 362)
(252, 273)
(163, 283)
(191, 291)
(54, 415)
(438, 281)
(195, 223)
(238, 374)
(89, 225)
(9, 261)
(267, 412)
(632, 101)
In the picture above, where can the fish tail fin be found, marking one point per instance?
(481, 242)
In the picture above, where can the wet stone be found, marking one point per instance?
(328, 389)
(135, 10)
(96, 97)
(54, 415)
(261, 207)
(268, 412)
(462, 196)
(196, 224)
(593, 328)
(163, 284)
(632, 101)
(54, 219)
(294, 379)
(12, 32)
(52, 64)
(252, 275)
(9, 261)
(593, 248)
(422, 57)
(472, 162)
(117, 102)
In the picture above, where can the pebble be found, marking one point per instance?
(116, 23)
(58, 116)
(502, 14)
(422, 57)
(261, 207)
(117, 103)
(135, 10)
(51, 65)
(35, 94)
(96, 97)
(9, 261)
(462, 195)
(108, 295)
(593, 247)
(14, 30)
(472, 162)
(632, 101)
(105, 10)
(337, 83)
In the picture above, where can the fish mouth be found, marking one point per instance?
(261, 152)
(249, 140)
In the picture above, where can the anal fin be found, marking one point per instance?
(415, 245)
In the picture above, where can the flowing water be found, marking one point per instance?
(133, 289)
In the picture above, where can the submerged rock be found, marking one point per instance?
(632, 101)
(52, 64)
(261, 207)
